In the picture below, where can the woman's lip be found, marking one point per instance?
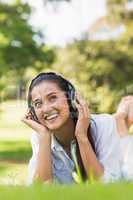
(52, 118)
(45, 117)
(51, 121)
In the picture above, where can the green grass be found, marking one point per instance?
(11, 126)
(17, 150)
(14, 156)
(13, 173)
(96, 191)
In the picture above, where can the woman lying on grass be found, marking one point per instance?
(67, 139)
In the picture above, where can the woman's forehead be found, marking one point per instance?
(44, 88)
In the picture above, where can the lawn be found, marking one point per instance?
(96, 191)
(15, 149)
(11, 126)
(13, 173)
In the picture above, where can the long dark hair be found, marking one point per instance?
(67, 87)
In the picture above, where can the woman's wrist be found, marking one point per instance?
(122, 127)
(43, 137)
(82, 138)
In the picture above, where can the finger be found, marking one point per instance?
(123, 108)
(128, 98)
(28, 110)
(79, 108)
(27, 120)
(28, 116)
(82, 112)
(31, 123)
(130, 115)
(82, 102)
(79, 99)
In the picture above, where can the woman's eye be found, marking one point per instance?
(37, 104)
(52, 98)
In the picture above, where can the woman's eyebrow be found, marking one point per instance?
(51, 93)
(35, 100)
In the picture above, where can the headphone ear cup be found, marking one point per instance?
(74, 112)
(73, 98)
(34, 117)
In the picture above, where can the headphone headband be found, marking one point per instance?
(70, 86)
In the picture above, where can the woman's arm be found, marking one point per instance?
(89, 159)
(124, 116)
(41, 168)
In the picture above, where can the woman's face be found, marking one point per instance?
(50, 104)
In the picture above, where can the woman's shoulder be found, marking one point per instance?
(34, 137)
(103, 124)
(102, 119)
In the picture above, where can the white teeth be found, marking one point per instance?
(52, 116)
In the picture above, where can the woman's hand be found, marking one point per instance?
(125, 110)
(39, 128)
(124, 115)
(88, 156)
(83, 117)
(43, 169)
(130, 113)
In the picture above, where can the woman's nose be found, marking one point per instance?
(46, 107)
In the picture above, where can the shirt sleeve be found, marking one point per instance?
(107, 146)
(33, 161)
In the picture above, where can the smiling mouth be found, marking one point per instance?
(51, 117)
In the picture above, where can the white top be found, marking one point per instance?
(126, 143)
(107, 147)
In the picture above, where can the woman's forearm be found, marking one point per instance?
(121, 123)
(44, 163)
(90, 162)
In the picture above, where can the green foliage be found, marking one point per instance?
(102, 70)
(58, 1)
(21, 46)
(118, 11)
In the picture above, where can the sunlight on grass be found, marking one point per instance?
(11, 126)
(15, 148)
(13, 173)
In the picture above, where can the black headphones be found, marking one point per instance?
(71, 96)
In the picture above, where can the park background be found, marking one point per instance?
(96, 56)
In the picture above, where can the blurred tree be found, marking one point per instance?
(55, 1)
(102, 70)
(21, 46)
(120, 9)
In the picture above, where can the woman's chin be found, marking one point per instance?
(54, 126)
(54, 129)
